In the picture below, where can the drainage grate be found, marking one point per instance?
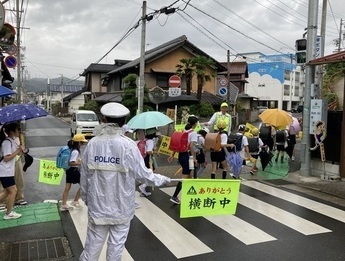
(278, 182)
(42, 249)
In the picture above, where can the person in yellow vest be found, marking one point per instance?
(222, 115)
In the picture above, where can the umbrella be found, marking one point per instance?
(235, 162)
(276, 117)
(265, 158)
(4, 91)
(18, 112)
(147, 120)
(294, 127)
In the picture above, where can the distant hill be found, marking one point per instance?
(39, 85)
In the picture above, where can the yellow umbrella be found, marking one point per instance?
(276, 117)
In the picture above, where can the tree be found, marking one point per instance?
(129, 98)
(186, 68)
(202, 66)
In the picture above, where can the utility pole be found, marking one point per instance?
(61, 90)
(340, 34)
(309, 79)
(228, 76)
(141, 83)
(19, 84)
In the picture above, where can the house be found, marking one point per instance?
(275, 80)
(160, 65)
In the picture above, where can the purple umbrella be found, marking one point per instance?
(294, 127)
(19, 112)
(235, 162)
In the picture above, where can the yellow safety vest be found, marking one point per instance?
(225, 117)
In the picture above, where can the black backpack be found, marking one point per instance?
(265, 132)
(280, 137)
(237, 140)
(253, 144)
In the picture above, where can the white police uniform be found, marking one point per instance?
(110, 165)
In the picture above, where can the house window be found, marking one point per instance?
(287, 75)
(162, 80)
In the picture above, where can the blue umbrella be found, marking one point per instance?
(149, 119)
(4, 91)
(235, 162)
(19, 112)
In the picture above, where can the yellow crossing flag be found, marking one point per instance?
(49, 173)
(209, 197)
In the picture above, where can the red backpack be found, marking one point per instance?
(142, 147)
(179, 141)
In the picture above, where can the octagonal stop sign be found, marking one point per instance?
(174, 81)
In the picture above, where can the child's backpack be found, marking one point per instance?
(265, 132)
(179, 141)
(142, 147)
(280, 137)
(212, 142)
(237, 140)
(63, 157)
(253, 144)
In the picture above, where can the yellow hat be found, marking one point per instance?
(224, 104)
(255, 131)
(221, 124)
(79, 138)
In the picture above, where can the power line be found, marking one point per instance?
(243, 34)
(256, 27)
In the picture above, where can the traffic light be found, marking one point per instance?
(301, 51)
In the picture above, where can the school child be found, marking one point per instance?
(254, 153)
(9, 151)
(219, 156)
(147, 138)
(200, 154)
(183, 157)
(281, 137)
(73, 173)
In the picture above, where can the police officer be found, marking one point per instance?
(111, 164)
(221, 115)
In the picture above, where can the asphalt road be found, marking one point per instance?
(263, 209)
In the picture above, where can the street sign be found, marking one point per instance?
(10, 61)
(223, 91)
(173, 92)
(10, 49)
(175, 81)
(223, 82)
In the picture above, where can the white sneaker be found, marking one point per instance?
(65, 208)
(12, 215)
(143, 190)
(136, 205)
(76, 204)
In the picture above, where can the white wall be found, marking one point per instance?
(75, 103)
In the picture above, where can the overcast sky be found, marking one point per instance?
(65, 36)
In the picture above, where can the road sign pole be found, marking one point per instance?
(142, 61)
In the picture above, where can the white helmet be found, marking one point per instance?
(206, 129)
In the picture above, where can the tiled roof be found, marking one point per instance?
(332, 58)
(237, 68)
(66, 88)
(163, 49)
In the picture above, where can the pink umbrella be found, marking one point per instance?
(294, 127)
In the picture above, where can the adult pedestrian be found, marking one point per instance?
(9, 151)
(183, 157)
(221, 115)
(110, 166)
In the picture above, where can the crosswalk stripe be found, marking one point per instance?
(323, 209)
(286, 218)
(240, 229)
(168, 231)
